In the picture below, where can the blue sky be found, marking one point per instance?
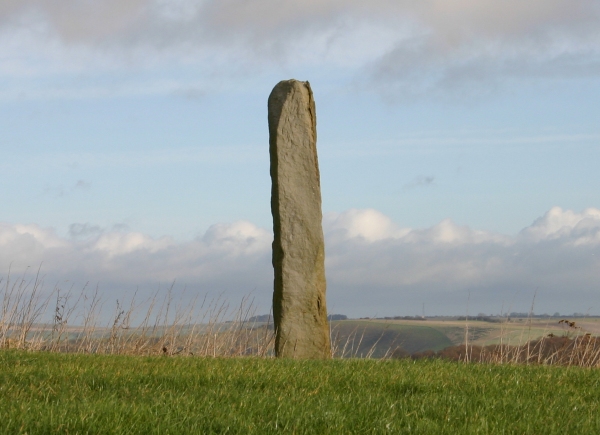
(458, 144)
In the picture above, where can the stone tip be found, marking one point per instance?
(292, 83)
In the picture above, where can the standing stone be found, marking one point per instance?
(299, 309)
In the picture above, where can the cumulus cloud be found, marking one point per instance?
(558, 224)
(369, 225)
(231, 258)
(559, 254)
(403, 47)
(374, 266)
(84, 230)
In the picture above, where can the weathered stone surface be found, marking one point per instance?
(299, 308)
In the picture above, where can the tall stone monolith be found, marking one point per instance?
(299, 308)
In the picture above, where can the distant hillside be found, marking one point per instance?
(359, 338)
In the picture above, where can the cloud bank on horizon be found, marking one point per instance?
(152, 113)
(400, 48)
(373, 265)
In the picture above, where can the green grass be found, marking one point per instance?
(46, 393)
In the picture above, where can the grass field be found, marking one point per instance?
(46, 393)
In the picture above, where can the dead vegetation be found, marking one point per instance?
(70, 321)
(575, 347)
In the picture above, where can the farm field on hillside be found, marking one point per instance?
(358, 338)
(482, 333)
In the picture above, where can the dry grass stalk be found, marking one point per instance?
(157, 326)
(174, 326)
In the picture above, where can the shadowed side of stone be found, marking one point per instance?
(299, 308)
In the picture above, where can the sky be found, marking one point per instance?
(458, 144)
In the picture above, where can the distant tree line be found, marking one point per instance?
(261, 318)
(403, 318)
(482, 318)
(269, 318)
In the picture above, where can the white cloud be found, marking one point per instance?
(559, 254)
(118, 244)
(23, 241)
(95, 254)
(399, 47)
(572, 227)
(373, 265)
(474, 45)
(369, 225)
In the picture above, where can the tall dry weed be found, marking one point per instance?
(171, 324)
(69, 321)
